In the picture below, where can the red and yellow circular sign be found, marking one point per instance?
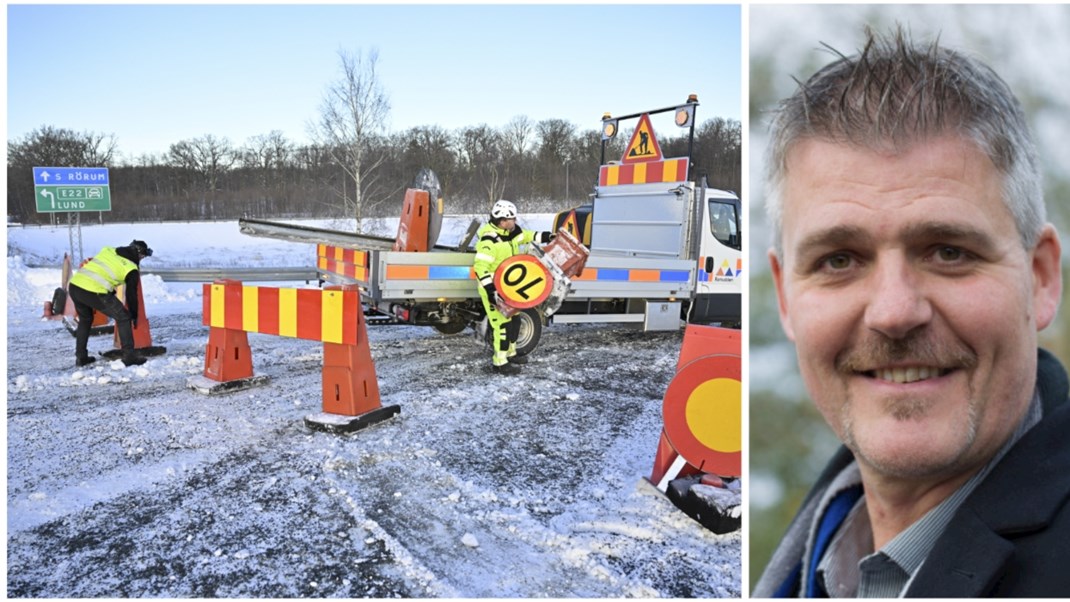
(703, 414)
(523, 281)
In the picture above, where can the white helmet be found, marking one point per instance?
(503, 210)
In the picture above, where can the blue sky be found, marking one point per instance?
(154, 75)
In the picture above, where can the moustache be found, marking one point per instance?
(921, 348)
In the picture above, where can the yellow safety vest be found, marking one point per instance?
(495, 246)
(103, 273)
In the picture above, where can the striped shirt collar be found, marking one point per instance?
(847, 570)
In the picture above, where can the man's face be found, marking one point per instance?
(912, 303)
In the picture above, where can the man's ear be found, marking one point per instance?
(1047, 276)
(782, 304)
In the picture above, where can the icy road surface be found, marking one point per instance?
(122, 482)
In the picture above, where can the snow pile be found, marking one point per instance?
(29, 286)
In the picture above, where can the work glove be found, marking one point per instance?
(492, 292)
(547, 237)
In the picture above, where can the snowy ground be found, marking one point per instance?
(122, 482)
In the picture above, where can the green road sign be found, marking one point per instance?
(71, 189)
(73, 198)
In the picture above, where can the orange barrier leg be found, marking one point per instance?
(349, 384)
(228, 364)
(350, 388)
(227, 355)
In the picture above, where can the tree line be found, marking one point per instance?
(544, 166)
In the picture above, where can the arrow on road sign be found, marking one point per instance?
(48, 193)
(45, 175)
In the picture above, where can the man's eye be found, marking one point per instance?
(837, 262)
(949, 254)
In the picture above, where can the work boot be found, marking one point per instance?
(518, 359)
(132, 358)
(84, 360)
(506, 369)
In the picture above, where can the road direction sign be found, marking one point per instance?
(71, 189)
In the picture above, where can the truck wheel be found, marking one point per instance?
(452, 327)
(59, 301)
(530, 331)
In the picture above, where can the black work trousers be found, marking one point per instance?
(84, 304)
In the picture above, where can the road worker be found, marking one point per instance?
(499, 240)
(93, 287)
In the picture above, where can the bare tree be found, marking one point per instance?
(208, 156)
(59, 147)
(517, 135)
(553, 155)
(267, 155)
(482, 146)
(352, 115)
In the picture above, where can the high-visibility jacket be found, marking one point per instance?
(495, 245)
(104, 272)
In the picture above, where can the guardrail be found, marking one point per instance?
(277, 274)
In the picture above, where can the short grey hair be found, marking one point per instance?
(893, 94)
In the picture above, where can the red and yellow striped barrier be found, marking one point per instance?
(344, 262)
(334, 315)
(313, 314)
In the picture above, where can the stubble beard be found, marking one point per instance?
(925, 349)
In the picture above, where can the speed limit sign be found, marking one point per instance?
(523, 281)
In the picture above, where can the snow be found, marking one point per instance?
(124, 482)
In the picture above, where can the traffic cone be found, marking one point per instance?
(142, 332)
(350, 387)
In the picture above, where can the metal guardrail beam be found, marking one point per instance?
(274, 274)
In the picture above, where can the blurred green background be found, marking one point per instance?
(1029, 47)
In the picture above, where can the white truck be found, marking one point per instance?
(664, 251)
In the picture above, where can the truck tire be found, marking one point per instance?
(59, 301)
(530, 321)
(530, 331)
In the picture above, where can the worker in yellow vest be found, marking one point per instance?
(93, 287)
(500, 239)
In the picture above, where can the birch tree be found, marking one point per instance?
(352, 115)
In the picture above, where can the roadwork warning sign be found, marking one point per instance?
(643, 145)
